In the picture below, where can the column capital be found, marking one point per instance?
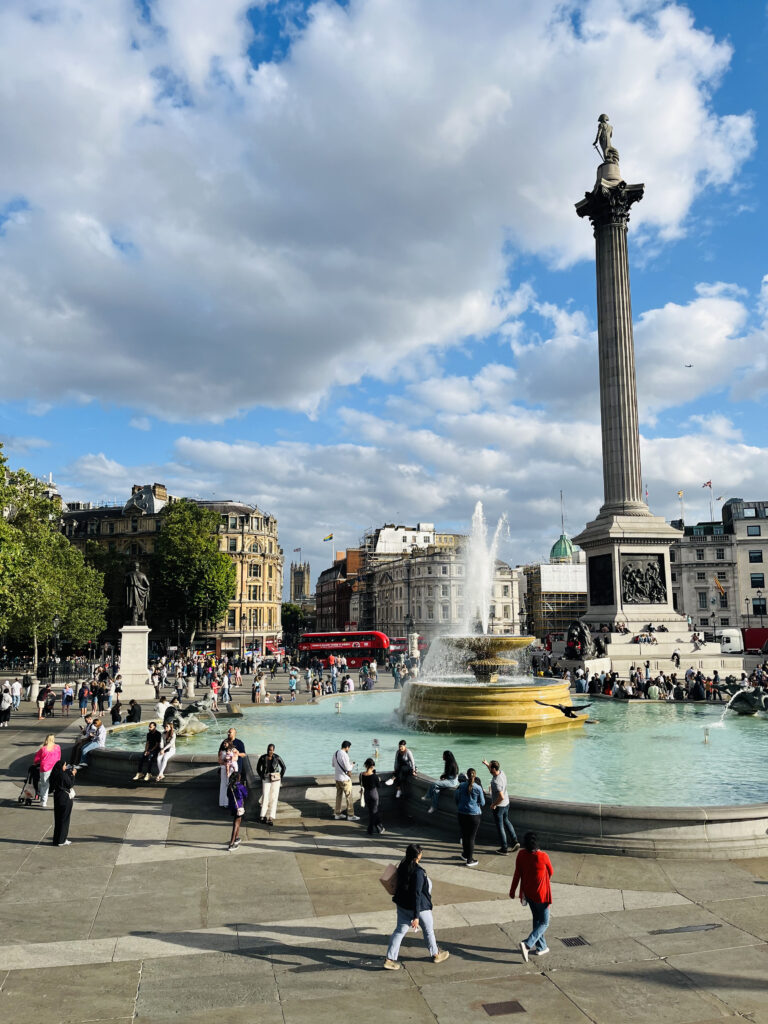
(609, 203)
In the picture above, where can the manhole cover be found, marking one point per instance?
(576, 940)
(499, 1009)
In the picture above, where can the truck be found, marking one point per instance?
(741, 641)
(755, 639)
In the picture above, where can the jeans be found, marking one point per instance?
(433, 793)
(16, 700)
(87, 749)
(404, 918)
(504, 826)
(540, 914)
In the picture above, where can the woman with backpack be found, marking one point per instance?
(413, 900)
(470, 800)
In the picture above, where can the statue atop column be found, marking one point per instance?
(136, 595)
(604, 140)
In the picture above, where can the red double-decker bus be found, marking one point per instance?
(357, 647)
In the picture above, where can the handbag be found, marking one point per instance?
(274, 776)
(389, 879)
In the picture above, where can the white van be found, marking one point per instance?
(731, 641)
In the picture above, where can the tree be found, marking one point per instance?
(295, 622)
(45, 585)
(191, 578)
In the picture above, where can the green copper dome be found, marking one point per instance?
(562, 550)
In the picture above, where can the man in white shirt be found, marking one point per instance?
(98, 742)
(342, 770)
(16, 693)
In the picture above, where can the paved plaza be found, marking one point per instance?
(147, 917)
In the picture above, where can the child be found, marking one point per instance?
(236, 797)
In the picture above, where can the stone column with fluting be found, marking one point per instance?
(607, 207)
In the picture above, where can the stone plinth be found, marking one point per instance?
(499, 710)
(134, 662)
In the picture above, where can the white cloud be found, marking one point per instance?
(140, 423)
(197, 227)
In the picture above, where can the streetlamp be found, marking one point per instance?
(491, 620)
(746, 602)
(760, 606)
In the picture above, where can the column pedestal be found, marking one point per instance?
(134, 663)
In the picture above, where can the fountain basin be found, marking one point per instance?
(488, 651)
(498, 710)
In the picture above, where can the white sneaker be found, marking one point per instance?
(352, 817)
(397, 794)
(540, 952)
(338, 817)
(67, 842)
(430, 810)
(525, 951)
(472, 863)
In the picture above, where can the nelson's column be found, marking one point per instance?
(627, 547)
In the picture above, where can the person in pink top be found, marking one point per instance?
(46, 757)
(533, 870)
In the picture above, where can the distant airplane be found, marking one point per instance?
(689, 366)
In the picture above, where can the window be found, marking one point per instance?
(459, 570)
(701, 576)
(505, 590)
(254, 593)
(720, 553)
(429, 570)
(425, 539)
(755, 556)
(757, 579)
(444, 570)
(674, 577)
(269, 593)
(92, 527)
(674, 601)
(758, 606)
(723, 600)
(231, 618)
(255, 570)
(460, 591)
(699, 554)
(702, 599)
(429, 591)
(269, 572)
(418, 611)
(507, 612)
(445, 612)
(722, 575)
(725, 622)
(703, 621)
(405, 539)
(718, 531)
(233, 543)
(444, 590)
(749, 513)
(134, 526)
(430, 611)
(753, 531)
(111, 527)
(233, 522)
(672, 556)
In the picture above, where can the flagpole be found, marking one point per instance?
(711, 504)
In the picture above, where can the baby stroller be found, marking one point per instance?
(50, 703)
(29, 791)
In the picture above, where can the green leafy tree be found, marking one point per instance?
(45, 584)
(192, 579)
(295, 622)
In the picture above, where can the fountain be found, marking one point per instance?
(521, 706)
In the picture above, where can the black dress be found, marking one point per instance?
(62, 783)
(370, 786)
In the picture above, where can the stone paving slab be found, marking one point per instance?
(737, 978)
(751, 914)
(64, 996)
(463, 1002)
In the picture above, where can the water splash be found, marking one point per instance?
(480, 570)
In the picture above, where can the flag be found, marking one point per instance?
(708, 484)
(329, 537)
(297, 549)
(679, 494)
(719, 585)
(719, 497)
(646, 491)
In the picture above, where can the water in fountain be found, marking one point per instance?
(480, 569)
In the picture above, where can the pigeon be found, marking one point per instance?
(569, 712)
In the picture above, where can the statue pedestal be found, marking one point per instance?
(134, 663)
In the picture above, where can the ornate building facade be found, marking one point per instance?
(248, 535)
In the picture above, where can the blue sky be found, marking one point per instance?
(324, 257)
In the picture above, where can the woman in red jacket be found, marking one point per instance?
(533, 870)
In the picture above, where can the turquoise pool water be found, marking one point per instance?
(637, 753)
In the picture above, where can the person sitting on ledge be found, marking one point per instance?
(148, 762)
